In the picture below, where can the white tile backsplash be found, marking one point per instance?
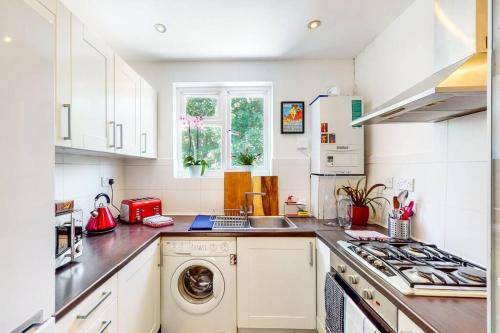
(450, 170)
(78, 177)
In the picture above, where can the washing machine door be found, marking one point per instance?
(197, 286)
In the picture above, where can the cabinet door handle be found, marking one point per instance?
(121, 136)
(112, 130)
(104, 296)
(68, 121)
(144, 135)
(311, 254)
(161, 255)
(105, 325)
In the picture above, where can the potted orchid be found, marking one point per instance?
(192, 161)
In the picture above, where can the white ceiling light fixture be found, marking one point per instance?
(7, 39)
(161, 28)
(314, 24)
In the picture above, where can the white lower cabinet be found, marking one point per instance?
(96, 313)
(322, 267)
(406, 325)
(276, 282)
(139, 293)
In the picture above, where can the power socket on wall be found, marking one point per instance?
(404, 183)
(105, 181)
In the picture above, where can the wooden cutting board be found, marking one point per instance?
(269, 204)
(235, 184)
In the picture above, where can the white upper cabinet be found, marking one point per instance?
(98, 101)
(63, 77)
(276, 282)
(91, 89)
(127, 109)
(148, 120)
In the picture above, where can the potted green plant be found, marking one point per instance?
(361, 200)
(246, 159)
(192, 161)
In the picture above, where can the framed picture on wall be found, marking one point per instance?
(292, 117)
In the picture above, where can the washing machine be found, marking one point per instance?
(198, 285)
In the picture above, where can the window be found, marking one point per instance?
(217, 122)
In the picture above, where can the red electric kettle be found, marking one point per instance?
(101, 220)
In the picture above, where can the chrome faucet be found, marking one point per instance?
(245, 206)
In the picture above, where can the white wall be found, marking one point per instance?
(78, 177)
(293, 80)
(448, 160)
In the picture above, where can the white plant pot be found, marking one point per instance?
(247, 168)
(194, 170)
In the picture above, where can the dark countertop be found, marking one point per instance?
(432, 314)
(106, 254)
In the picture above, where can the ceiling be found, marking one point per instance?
(237, 29)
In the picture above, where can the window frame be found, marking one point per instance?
(225, 91)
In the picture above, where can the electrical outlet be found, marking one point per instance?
(402, 183)
(389, 182)
(104, 182)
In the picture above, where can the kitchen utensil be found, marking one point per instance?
(135, 210)
(408, 210)
(402, 196)
(158, 221)
(395, 202)
(235, 184)
(267, 205)
(101, 220)
(400, 229)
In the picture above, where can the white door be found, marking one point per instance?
(127, 109)
(276, 283)
(148, 120)
(92, 89)
(139, 293)
(27, 90)
(197, 286)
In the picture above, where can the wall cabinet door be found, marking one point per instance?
(276, 283)
(127, 109)
(92, 89)
(139, 293)
(148, 120)
(63, 77)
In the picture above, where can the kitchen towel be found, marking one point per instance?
(334, 305)
(202, 222)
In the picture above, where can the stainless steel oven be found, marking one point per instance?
(68, 237)
(353, 305)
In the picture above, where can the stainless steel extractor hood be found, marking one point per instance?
(454, 91)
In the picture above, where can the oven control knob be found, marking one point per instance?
(367, 294)
(353, 279)
(341, 268)
(378, 263)
(370, 258)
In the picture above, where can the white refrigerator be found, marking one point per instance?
(27, 97)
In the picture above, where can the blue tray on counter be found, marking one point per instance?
(202, 222)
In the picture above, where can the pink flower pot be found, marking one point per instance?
(360, 215)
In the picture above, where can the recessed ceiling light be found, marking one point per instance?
(160, 28)
(7, 39)
(314, 24)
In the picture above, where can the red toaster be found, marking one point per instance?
(135, 210)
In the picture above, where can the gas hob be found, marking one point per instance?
(416, 268)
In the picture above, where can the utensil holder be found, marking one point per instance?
(400, 229)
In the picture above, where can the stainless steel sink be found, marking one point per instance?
(270, 222)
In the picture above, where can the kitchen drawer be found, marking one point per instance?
(378, 302)
(88, 313)
(105, 321)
